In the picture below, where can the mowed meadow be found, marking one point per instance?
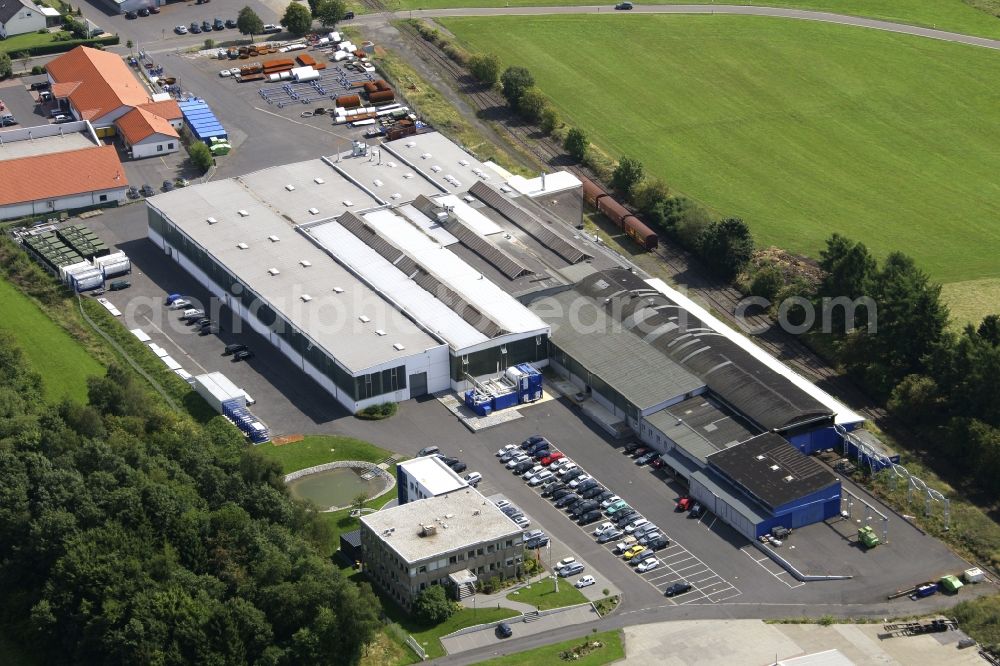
(800, 128)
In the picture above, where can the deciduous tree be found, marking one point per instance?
(627, 174)
(248, 23)
(297, 19)
(576, 144)
(514, 81)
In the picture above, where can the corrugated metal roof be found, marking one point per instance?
(642, 375)
(701, 426)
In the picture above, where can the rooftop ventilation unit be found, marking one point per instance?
(242, 213)
(313, 211)
(305, 263)
(379, 332)
(364, 318)
(426, 156)
(242, 246)
(211, 220)
(436, 169)
(398, 347)
(775, 468)
(428, 530)
(760, 457)
(273, 271)
(789, 479)
(464, 162)
(391, 165)
(306, 298)
(377, 182)
(318, 181)
(410, 144)
(290, 187)
(395, 195)
(505, 189)
(407, 175)
(469, 198)
(347, 202)
(338, 290)
(273, 238)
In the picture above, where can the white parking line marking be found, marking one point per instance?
(776, 576)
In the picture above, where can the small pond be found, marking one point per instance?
(335, 487)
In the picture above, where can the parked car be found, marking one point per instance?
(658, 544)
(192, 315)
(649, 537)
(244, 355)
(554, 456)
(568, 466)
(603, 527)
(641, 451)
(571, 475)
(570, 570)
(531, 449)
(533, 470)
(649, 457)
(506, 456)
(61, 118)
(533, 534)
(517, 460)
(631, 447)
(540, 478)
(167, 185)
(147, 190)
(510, 510)
(505, 449)
(500, 504)
(625, 517)
(632, 551)
(118, 285)
(583, 506)
(567, 501)
(623, 6)
(696, 510)
(561, 493)
(633, 526)
(179, 304)
(473, 478)
(131, 15)
(604, 496)
(195, 28)
(615, 507)
(181, 29)
(591, 493)
(144, 11)
(206, 26)
(218, 24)
(7, 120)
(587, 484)
(585, 581)
(645, 529)
(610, 535)
(657, 463)
(677, 588)
(230, 23)
(523, 467)
(40, 85)
(153, 9)
(504, 631)
(522, 522)
(459, 467)
(428, 451)
(225, 72)
(589, 517)
(233, 348)
(641, 556)
(538, 542)
(348, 16)
(575, 482)
(540, 455)
(609, 501)
(270, 29)
(551, 487)
(200, 321)
(647, 564)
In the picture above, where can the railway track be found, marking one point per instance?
(724, 299)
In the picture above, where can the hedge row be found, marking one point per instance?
(68, 45)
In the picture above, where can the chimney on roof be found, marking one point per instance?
(428, 530)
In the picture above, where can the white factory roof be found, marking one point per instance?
(441, 161)
(475, 220)
(292, 190)
(460, 519)
(843, 414)
(220, 386)
(456, 274)
(552, 183)
(385, 177)
(433, 475)
(313, 292)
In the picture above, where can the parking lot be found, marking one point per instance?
(22, 102)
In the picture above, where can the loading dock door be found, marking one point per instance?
(418, 384)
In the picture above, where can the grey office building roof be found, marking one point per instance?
(441, 161)
(293, 192)
(642, 375)
(23, 142)
(701, 426)
(312, 291)
(384, 177)
(461, 519)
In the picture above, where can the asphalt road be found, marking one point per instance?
(801, 14)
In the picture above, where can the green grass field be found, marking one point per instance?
(613, 650)
(952, 15)
(542, 595)
(800, 128)
(318, 449)
(63, 364)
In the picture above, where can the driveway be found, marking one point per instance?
(546, 624)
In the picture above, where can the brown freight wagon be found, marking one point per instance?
(592, 192)
(640, 233)
(381, 97)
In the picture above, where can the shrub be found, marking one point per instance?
(209, 43)
(767, 282)
(378, 412)
(627, 175)
(432, 606)
(549, 121)
(38, 69)
(200, 156)
(576, 144)
(485, 67)
(727, 246)
(515, 81)
(5, 68)
(531, 104)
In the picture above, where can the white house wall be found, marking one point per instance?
(42, 207)
(148, 148)
(26, 20)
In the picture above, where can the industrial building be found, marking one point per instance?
(370, 295)
(54, 168)
(656, 364)
(451, 540)
(426, 477)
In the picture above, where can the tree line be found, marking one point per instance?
(129, 534)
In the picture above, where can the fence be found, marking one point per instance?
(415, 646)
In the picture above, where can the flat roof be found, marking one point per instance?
(441, 161)
(16, 143)
(331, 197)
(330, 318)
(729, 494)
(731, 366)
(638, 372)
(701, 426)
(550, 183)
(384, 177)
(461, 519)
(433, 475)
(772, 470)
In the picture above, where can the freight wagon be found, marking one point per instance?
(624, 220)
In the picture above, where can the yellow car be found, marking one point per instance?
(633, 551)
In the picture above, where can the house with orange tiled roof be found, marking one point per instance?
(52, 168)
(98, 86)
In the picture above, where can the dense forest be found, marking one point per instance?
(132, 535)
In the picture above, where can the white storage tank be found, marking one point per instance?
(113, 264)
(216, 389)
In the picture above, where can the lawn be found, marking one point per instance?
(63, 364)
(613, 650)
(542, 595)
(429, 637)
(952, 15)
(318, 449)
(17, 43)
(800, 128)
